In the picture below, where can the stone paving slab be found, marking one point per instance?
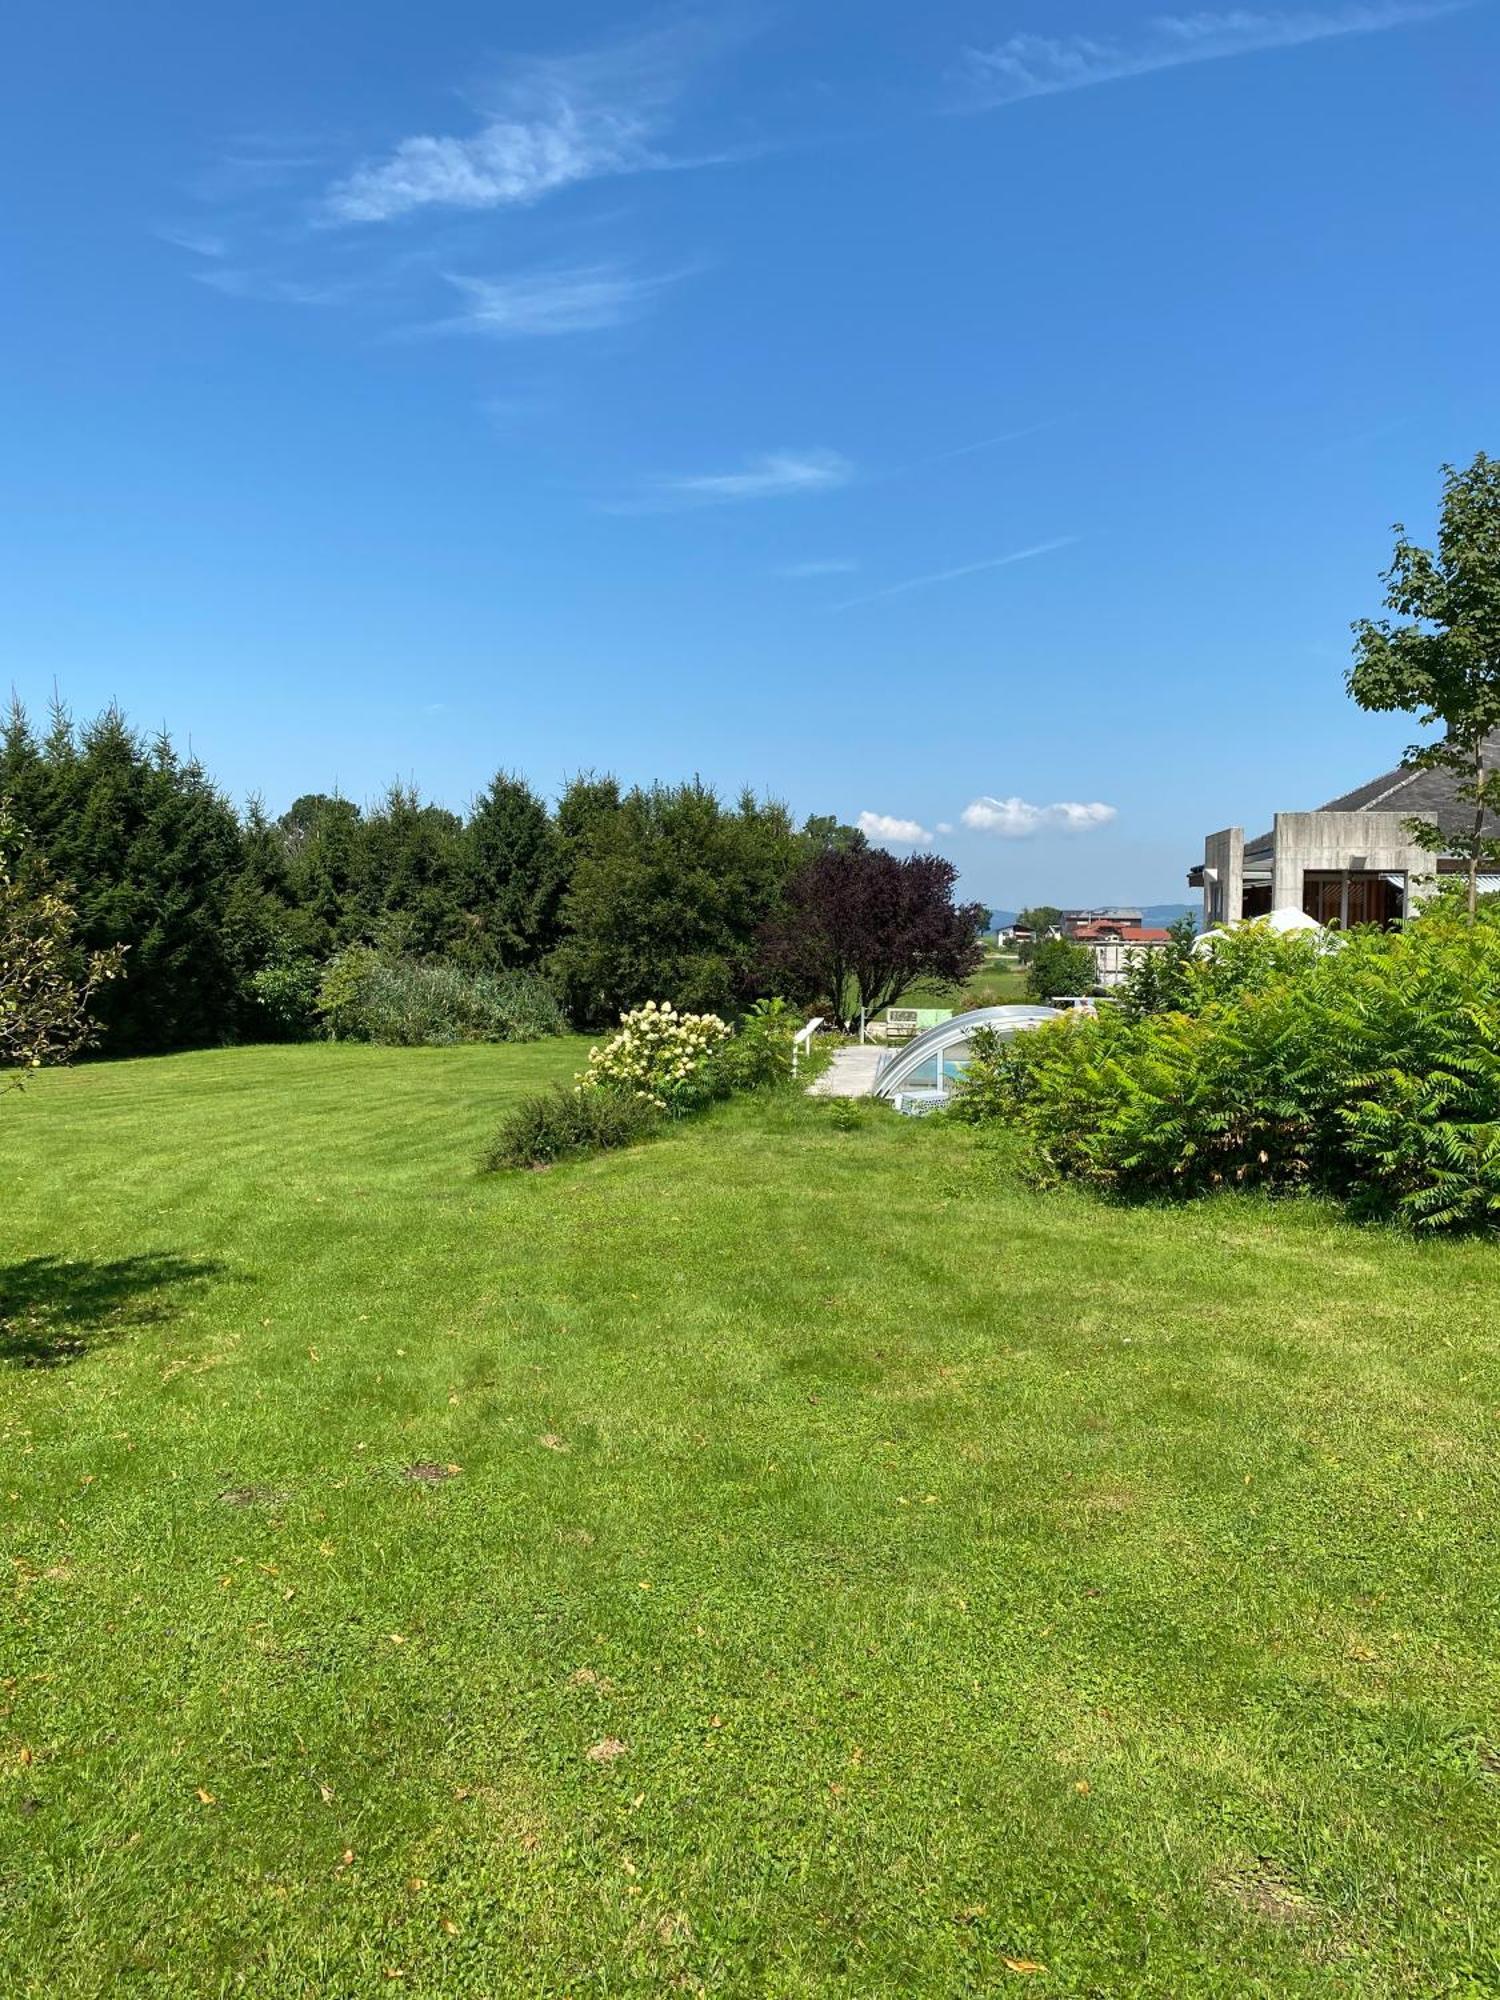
(851, 1073)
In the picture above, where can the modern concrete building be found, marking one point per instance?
(1352, 861)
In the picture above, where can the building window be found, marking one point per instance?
(1256, 900)
(1355, 896)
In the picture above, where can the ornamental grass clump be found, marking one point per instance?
(660, 1055)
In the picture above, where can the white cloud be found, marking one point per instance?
(1016, 819)
(899, 832)
(964, 569)
(765, 477)
(943, 826)
(510, 162)
(829, 566)
(552, 124)
(1042, 65)
(579, 300)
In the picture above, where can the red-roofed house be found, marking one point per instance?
(1115, 944)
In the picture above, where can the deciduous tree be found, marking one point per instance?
(1442, 662)
(858, 926)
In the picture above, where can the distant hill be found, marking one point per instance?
(1154, 915)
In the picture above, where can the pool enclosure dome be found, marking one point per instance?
(923, 1071)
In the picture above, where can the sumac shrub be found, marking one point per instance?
(1368, 1068)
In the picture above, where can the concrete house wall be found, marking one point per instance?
(1331, 842)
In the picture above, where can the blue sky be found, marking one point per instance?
(980, 417)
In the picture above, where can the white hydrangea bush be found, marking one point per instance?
(655, 1052)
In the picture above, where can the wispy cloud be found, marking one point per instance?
(552, 123)
(964, 569)
(1042, 65)
(540, 303)
(271, 287)
(897, 832)
(989, 443)
(199, 242)
(767, 476)
(823, 566)
(1017, 819)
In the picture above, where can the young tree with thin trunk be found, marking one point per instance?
(1442, 664)
(44, 999)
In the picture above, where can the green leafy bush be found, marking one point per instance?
(366, 997)
(1369, 1069)
(758, 1056)
(283, 1001)
(568, 1121)
(1060, 965)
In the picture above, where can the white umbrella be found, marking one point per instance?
(1282, 921)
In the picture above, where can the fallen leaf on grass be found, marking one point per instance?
(1023, 1965)
(206, 1798)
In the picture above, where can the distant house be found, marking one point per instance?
(1073, 922)
(1114, 944)
(1352, 861)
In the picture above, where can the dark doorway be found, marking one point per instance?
(1357, 896)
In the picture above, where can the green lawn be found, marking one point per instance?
(836, 1571)
(1001, 980)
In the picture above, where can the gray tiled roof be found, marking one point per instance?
(1415, 794)
(1418, 794)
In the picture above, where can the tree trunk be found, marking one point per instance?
(1478, 838)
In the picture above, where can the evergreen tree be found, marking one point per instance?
(151, 848)
(321, 839)
(512, 877)
(411, 876)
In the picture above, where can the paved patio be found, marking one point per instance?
(851, 1073)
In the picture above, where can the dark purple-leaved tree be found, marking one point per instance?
(857, 927)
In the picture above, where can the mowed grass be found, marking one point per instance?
(834, 1569)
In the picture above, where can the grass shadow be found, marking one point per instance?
(55, 1310)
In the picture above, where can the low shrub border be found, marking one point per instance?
(567, 1122)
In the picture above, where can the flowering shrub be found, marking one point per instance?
(658, 1054)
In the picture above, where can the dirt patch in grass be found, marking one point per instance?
(1263, 1890)
(587, 1678)
(427, 1472)
(254, 1496)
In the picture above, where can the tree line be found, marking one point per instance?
(227, 920)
